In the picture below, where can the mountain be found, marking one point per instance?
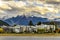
(3, 23)
(57, 21)
(23, 20)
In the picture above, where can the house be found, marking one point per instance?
(23, 28)
(46, 27)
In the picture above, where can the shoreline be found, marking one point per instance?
(41, 35)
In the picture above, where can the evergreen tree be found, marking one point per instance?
(30, 23)
(39, 23)
(14, 25)
(52, 23)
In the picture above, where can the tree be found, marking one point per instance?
(39, 23)
(14, 25)
(30, 23)
(54, 23)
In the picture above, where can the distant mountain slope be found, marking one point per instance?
(3, 23)
(23, 20)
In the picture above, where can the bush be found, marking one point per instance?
(1, 30)
(40, 30)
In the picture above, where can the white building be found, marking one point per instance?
(46, 26)
(22, 28)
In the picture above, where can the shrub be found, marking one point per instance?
(40, 30)
(1, 30)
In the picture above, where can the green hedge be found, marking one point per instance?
(40, 30)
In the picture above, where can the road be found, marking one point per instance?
(27, 38)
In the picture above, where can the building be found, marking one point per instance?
(23, 28)
(43, 26)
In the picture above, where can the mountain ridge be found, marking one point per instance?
(3, 23)
(23, 20)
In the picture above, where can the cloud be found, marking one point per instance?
(14, 8)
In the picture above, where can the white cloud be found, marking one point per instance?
(21, 7)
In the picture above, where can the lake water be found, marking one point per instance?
(27, 38)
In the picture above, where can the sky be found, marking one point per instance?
(48, 9)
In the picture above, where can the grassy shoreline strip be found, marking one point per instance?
(30, 34)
